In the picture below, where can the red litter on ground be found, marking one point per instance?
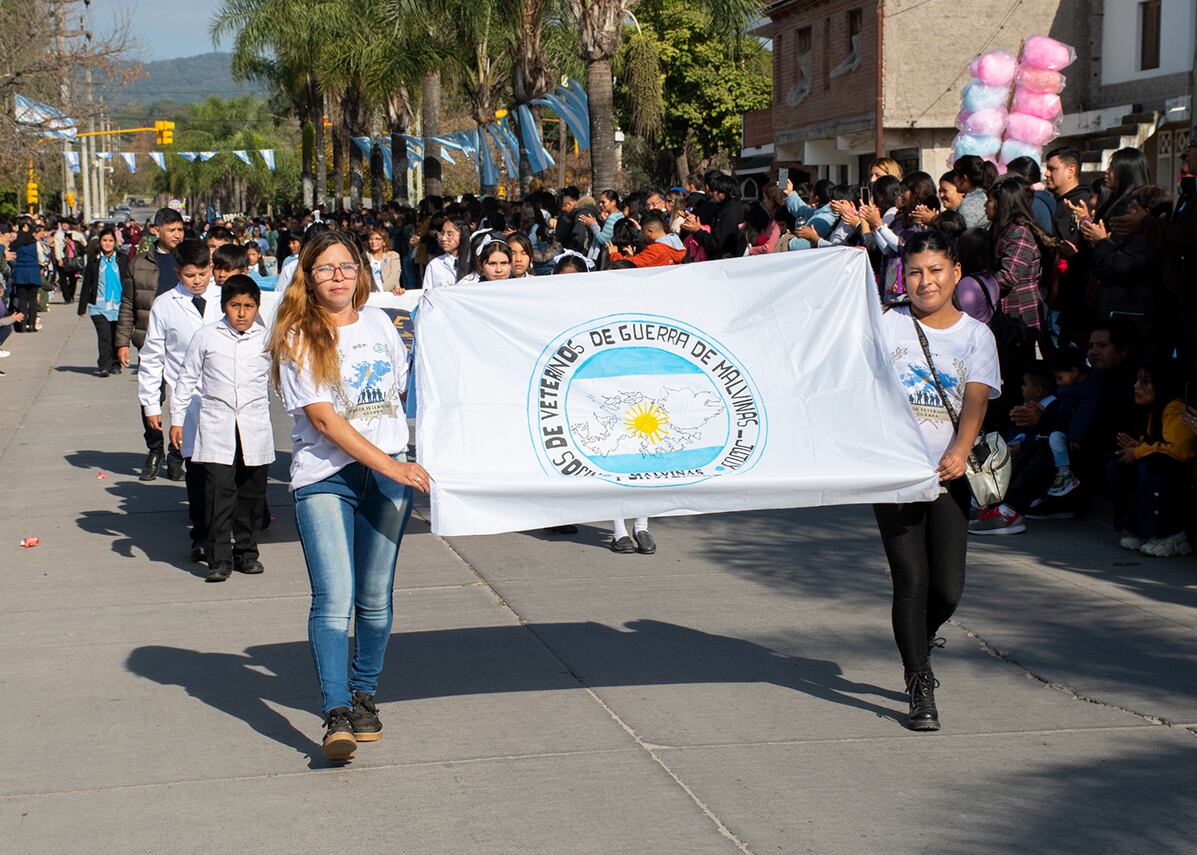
(31, 542)
(101, 474)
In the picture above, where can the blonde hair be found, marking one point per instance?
(887, 165)
(303, 333)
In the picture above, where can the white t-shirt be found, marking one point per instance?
(373, 376)
(963, 353)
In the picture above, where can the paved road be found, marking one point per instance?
(739, 691)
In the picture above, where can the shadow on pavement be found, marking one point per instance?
(492, 660)
(1136, 800)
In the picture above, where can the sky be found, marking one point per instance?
(167, 29)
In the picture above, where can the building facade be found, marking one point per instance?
(843, 68)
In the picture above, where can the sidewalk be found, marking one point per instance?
(738, 691)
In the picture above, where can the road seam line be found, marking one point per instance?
(1063, 688)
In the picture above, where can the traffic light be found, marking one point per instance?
(166, 132)
(31, 193)
(70, 200)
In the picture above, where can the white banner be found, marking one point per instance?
(382, 300)
(724, 386)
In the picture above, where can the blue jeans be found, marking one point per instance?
(350, 525)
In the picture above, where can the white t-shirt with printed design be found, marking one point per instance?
(963, 353)
(373, 363)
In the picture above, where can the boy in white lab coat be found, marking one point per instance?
(228, 366)
(175, 317)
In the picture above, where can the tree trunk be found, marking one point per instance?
(306, 177)
(485, 190)
(430, 119)
(399, 166)
(338, 159)
(602, 125)
(321, 161)
(562, 152)
(356, 162)
(377, 176)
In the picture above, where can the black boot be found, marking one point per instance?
(920, 685)
(153, 462)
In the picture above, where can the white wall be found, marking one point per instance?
(1121, 39)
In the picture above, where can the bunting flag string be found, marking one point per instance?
(486, 162)
(497, 135)
(364, 143)
(268, 157)
(72, 159)
(205, 156)
(130, 159)
(539, 158)
(242, 155)
(159, 158)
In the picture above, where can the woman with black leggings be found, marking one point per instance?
(925, 542)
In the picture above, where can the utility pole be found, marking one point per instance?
(64, 92)
(90, 200)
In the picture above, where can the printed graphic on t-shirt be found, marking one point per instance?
(368, 386)
(920, 386)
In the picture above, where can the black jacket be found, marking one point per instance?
(91, 279)
(725, 240)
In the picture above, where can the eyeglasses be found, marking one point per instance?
(325, 272)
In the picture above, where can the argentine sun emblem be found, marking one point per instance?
(643, 401)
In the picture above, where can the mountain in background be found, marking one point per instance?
(186, 80)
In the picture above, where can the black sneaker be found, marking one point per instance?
(251, 567)
(149, 469)
(219, 572)
(921, 687)
(645, 544)
(623, 546)
(175, 470)
(364, 717)
(339, 742)
(199, 553)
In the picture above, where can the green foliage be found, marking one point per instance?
(642, 75)
(227, 125)
(709, 80)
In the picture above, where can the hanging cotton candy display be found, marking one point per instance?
(1036, 109)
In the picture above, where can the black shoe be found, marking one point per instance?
(103, 372)
(198, 553)
(149, 469)
(645, 544)
(562, 529)
(252, 567)
(116, 369)
(339, 742)
(175, 470)
(219, 572)
(623, 546)
(364, 717)
(921, 687)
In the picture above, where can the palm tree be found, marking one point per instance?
(600, 34)
(275, 41)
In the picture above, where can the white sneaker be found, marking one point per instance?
(1167, 547)
(4, 354)
(38, 325)
(1131, 542)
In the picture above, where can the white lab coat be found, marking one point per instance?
(441, 271)
(173, 322)
(229, 373)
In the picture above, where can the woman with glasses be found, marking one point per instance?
(341, 370)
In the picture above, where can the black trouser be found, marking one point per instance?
(27, 305)
(1034, 471)
(235, 498)
(105, 334)
(1148, 495)
(67, 281)
(197, 501)
(153, 436)
(926, 544)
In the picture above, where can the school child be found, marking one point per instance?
(228, 366)
(175, 317)
(229, 259)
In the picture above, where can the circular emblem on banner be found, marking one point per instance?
(643, 401)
